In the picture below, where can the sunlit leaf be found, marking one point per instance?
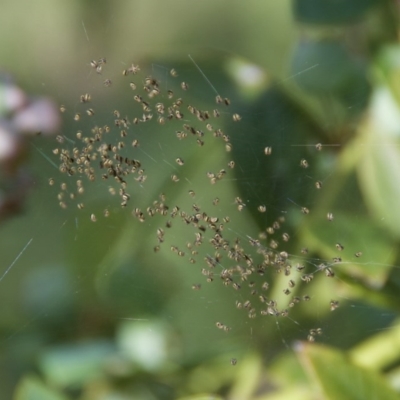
(337, 378)
(394, 378)
(247, 378)
(288, 379)
(202, 397)
(286, 370)
(388, 64)
(379, 165)
(379, 351)
(295, 393)
(144, 343)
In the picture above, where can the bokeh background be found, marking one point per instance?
(89, 311)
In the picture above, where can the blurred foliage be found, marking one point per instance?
(331, 12)
(91, 312)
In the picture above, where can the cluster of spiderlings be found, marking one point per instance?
(99, 148)
(243, 264)
(313, 333)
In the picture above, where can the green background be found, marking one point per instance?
(91, 312)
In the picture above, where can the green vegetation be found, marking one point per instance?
(217, 217)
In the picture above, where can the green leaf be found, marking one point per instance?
(286, 370)
(247, 378)
(379, 351)
(388, 68)
(331, 11)
(379, 166)
(322, 66)
(337, 378)
(353, 231)
(294, 393)
(353, 226)
(144, 343)
(75, 364)
(201, 397)
(31, 388)
(287, 377)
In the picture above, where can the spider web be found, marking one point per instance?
(200, 279)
